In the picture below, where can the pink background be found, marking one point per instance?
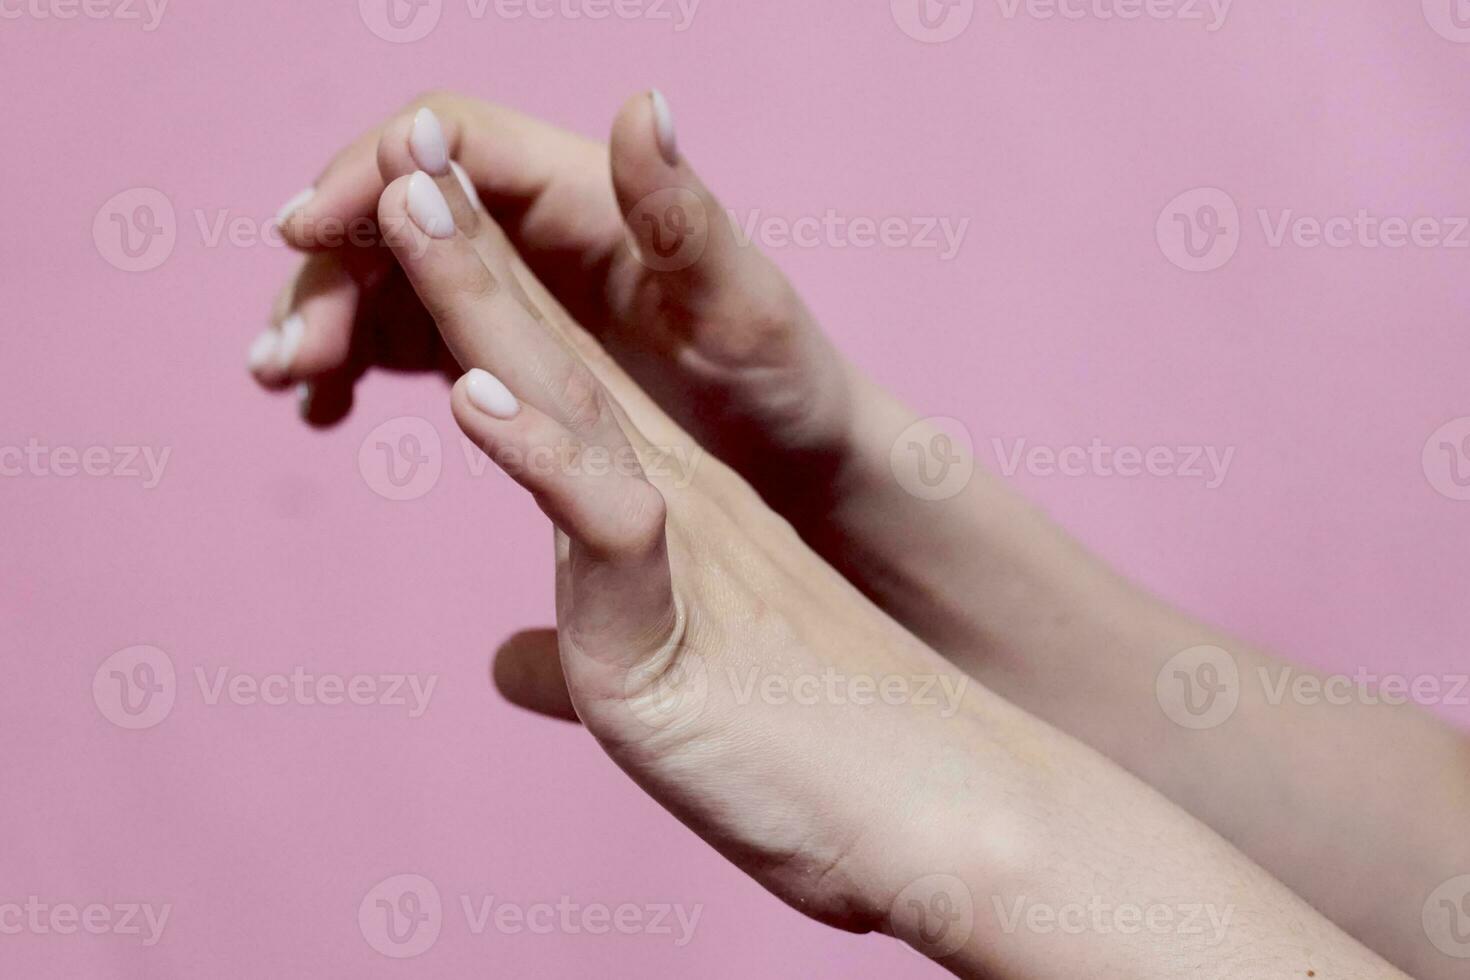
(265, 548)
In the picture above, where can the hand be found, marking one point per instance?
(716, 334)
(682, 604)
(675, 595)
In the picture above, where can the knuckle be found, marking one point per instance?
(582, 399)
(640, 519)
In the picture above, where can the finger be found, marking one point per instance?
(513, 157)
(528, 674)
(618, 609)
(311, 326)
(677, 226)
(418, 143)
(327, 399)
(482, 321)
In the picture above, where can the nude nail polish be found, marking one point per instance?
(262, 350)
(426, 143)
(295, 204)
(291, 333)
(489, 395)
(663, 124)
(427, 207)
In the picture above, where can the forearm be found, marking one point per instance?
(1055, 863)
(1324, 795)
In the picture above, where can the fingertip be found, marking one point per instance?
(291, 218)
(393, 217)
(643, 145)
(394, 157)
(326, 401)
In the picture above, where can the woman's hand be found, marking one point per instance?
(692, 621)
(681, 598)
(629, 241)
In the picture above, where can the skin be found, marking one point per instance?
(726, 347)
(668, 595)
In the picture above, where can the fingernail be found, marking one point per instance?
(426, 143)
(663, 124)
(464, 182)
(291, 333)
(262, 350)
(295, 204)
(304, 392)
(489, 395)
(427, 207)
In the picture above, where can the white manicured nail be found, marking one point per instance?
(304, 392)
(291, 333)
(262, 350)
(489, 395)
(426, 143)
(427, 207)
(467, 184)
(295, 204)
(663, 124)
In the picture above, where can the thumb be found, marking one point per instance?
(675, 224)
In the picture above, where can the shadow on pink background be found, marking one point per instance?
(1064, 317)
